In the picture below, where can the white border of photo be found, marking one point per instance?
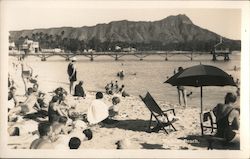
(102, 153)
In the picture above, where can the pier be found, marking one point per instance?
(190, 55)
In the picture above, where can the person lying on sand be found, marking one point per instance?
(98, 111)
(43, 142)
(228, 119)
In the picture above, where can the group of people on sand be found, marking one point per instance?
(59, 125)
(113, 88)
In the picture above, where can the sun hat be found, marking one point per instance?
(73, 59)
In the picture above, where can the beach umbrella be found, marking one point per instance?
(199, 76)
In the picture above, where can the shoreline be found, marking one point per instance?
(133, 119)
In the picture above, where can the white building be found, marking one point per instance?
(30, 45)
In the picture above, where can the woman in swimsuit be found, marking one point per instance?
(26, 74)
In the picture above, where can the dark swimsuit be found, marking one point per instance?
(70, 72)
(52, 114)
(224, 129)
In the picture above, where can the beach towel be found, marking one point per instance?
(97, 112)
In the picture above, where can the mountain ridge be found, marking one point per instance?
(177, 29)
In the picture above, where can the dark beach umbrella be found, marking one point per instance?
(199, 76)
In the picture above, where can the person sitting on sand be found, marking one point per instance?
(98, 111)
(79, 91)
(43, 142)
(115, 101)
(35, 88)
(182, 91)
(58, 127)
(12, 101)
(61, 93)
(40, 104)
(120, 90)
(54, 110)
(228, 119)
(27, 106)
(123, 92)
(110, 88)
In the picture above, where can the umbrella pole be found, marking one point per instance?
(201, 114)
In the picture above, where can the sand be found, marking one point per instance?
(130, 132)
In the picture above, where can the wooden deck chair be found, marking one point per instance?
(209, 123)
(156, 112)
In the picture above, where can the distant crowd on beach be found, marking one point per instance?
(58, 122)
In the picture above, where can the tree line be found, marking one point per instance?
(47, 41)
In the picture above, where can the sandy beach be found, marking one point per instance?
(131, 130)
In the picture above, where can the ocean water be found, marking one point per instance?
(140, 76)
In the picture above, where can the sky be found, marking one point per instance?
(41, 14)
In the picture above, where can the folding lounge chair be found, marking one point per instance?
(156, 112)
(209, 123)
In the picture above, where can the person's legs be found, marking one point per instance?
(25, 84)
(179, 96)
(184, 95)
(71, 86)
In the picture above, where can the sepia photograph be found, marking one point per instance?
(124, 77)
